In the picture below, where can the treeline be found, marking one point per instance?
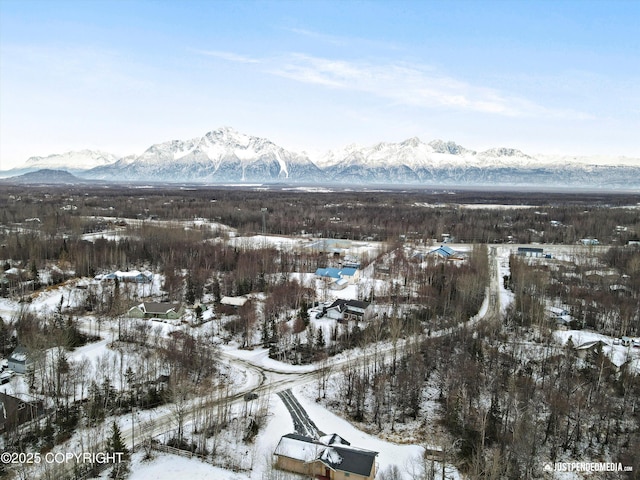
(415, 215)
(388, 388)
(513, 404)
(504, 408)
(446, 292)
(601, 293)
(143, 369)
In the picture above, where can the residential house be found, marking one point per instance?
(15, 411)
(13, 278)
(165, 310)
(19, 360)
(347, 310)
(382, 269)
(560, 317)
(530, 252)
(17, 274)
(335, 246)
(621, 290)
(234, 301)
(589, 348)
(339, 278)
(350, 262)
(446, 252)
(329, 458)
(589, 241)
(133, 276)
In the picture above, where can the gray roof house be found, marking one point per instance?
(345, 310)
(329, 458)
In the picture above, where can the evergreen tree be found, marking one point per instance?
(320, 343)
(304, 313)
(273, 330)
(264, 334)
(215, 290)
(6, 343)
(115, 444)
(95, 406)
(190, 295)
(35, 276)
(34, 270)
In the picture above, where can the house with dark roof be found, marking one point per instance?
(329, 458)
(15, 411)
(165, 310)
(346, 310)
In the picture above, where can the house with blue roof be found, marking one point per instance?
(339, 278)
(446, 252)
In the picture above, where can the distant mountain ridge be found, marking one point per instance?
(225, 155)
(45, 176)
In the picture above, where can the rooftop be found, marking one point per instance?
(332, 450)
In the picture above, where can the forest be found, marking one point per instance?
(500, 393)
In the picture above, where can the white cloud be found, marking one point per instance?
(408, 84)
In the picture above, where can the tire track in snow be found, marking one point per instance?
(302, 424)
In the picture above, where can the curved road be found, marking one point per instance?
(269, 380)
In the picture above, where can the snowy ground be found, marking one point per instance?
(618, 354)
(165, 466)
(168, 467)
(404, 456)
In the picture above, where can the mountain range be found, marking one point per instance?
(225, 155)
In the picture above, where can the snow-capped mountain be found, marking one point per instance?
(78, 160)
(447, 163)
(225, 155)
(220, 155)
(75, 162)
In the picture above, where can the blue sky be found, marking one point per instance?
(542, 76)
